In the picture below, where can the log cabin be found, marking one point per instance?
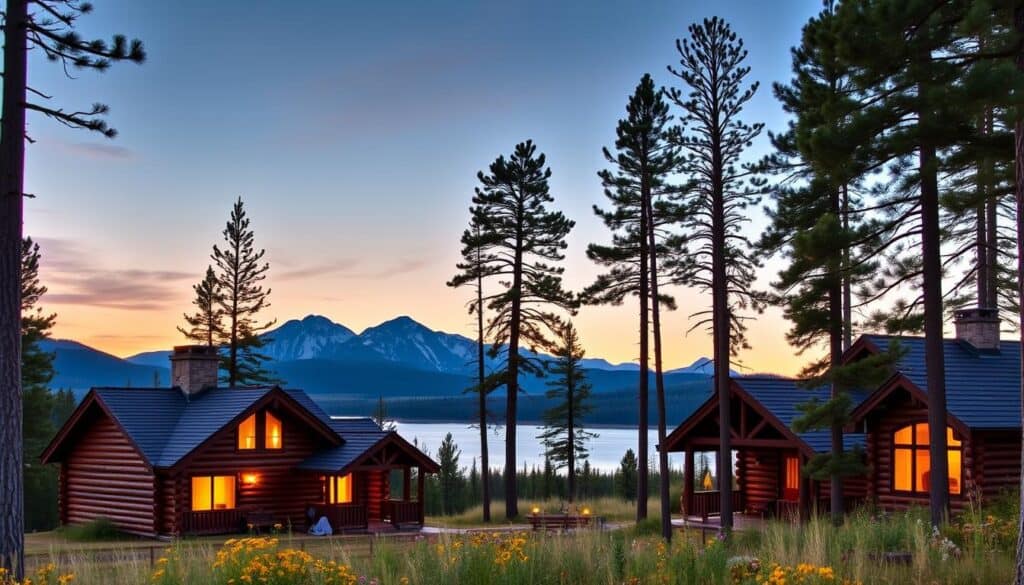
(196, 458)
(888, 423)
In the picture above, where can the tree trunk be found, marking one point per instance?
(485, 470)
(512, 385)
(992, 228)
(570, 423)
(1018, 131)
(12, 187)
(721, 323)
(642, 469)
(659, 378)
(847, 295)
(835, 339)
(935, 366)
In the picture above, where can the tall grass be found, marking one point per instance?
(610, 508)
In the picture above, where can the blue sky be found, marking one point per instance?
(354, 132)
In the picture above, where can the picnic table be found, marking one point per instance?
(558, 521)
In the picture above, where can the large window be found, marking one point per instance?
(912, 461)
(273, 434)
(247, 433)
(213, 493)
(339, 489)
(791, 487)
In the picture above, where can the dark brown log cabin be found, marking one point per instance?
(889, 423)
(197, 459)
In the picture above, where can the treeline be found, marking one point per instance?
(456, 488)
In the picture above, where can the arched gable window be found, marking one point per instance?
(911, 461)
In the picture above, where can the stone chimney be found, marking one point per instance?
(194, 368)
(978, 327)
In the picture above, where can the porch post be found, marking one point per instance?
(804, 497)
(688, 479)
(420, 491)
(406, 478)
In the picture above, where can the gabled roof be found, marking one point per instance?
(345, 425)
(780, 396)
(360, 447)
(166, 426)
(982, 388)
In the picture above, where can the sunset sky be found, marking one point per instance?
(353, 131)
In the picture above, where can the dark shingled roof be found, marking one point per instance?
(982, 388)
(337, 458)
(781, 395)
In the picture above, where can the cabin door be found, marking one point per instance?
(791, 478)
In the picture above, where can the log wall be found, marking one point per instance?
(104, 476)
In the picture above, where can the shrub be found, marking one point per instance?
(93, 531)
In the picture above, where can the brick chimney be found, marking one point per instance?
(978, 327)
(194, 368)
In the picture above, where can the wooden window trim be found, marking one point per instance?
(213, 490)
(913, 447)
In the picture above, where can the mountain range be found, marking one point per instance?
(399, 360)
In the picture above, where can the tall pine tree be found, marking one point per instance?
(206, 325)
(240, 270)
(521, 242)
(473, 270)
(563, 437)
(711, 68)
(50, 29)
(637, 187)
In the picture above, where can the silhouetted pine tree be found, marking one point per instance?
(240, 270)
(711, 67)
(207, 324)
(639, 191)
(625, 479)
(51, 31)
(521, 240)
(450, 474)
(473, 270)
(36, 374)
(563, 437)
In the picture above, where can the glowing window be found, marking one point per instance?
(912, 460)
(213, 493)
(339, 489)
(273, 435)
(247, 433)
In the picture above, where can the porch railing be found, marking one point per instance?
(342, 516)
(402, 512)
(212, 521)
(709, 503)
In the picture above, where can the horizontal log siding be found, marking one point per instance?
(758, 474)
(882, 427)
(279, 489)
(997, 457)
(104, 476)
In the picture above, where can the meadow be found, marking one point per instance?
(868, 549)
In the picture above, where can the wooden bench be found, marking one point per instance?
(563, 522)
(258, 520)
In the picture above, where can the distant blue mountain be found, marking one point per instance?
(399, 359)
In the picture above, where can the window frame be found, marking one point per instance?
(266, 431)
(255, 434)
(913, 448)
(333, 482)
(213, 492)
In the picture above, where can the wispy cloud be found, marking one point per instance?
(353, 269)
(74, 277)
(96, 150)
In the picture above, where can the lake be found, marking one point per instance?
(606, 450)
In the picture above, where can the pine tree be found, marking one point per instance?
(51, 31)
(637, 188)
(563, 437)
(625, 479)
(811, 225)
(1018, 192)
(380, 416)
(920, 105)
(473, 270)
(240, 270)
(711, 66)
(521, 240)
(38, 402)
(450, 475)
(207, 324)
